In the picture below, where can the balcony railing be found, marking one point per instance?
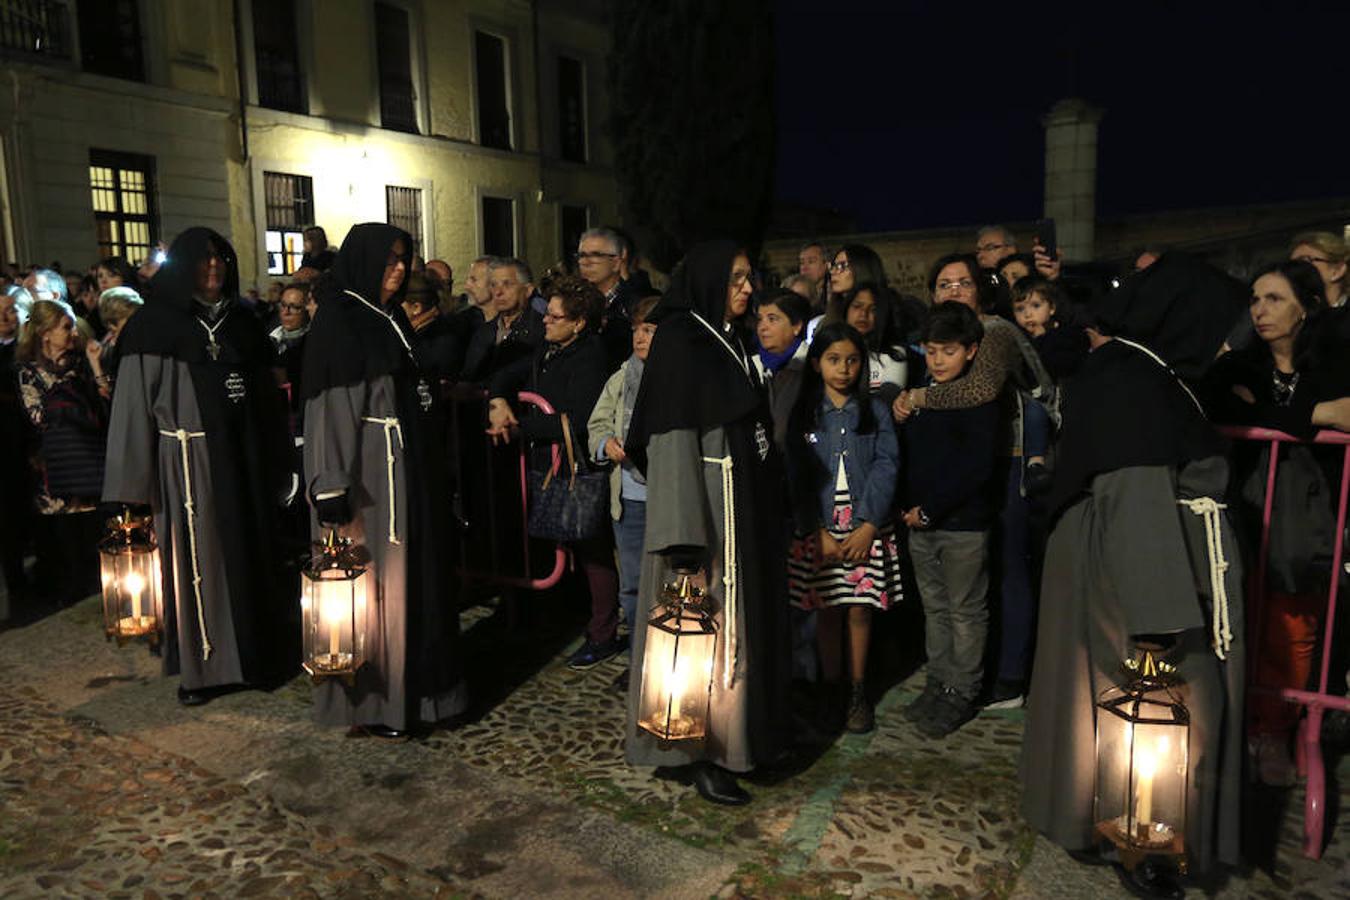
(39, 28)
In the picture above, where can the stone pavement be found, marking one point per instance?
(109, 788)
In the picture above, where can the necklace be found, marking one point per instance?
(1282, 387)
(213, 348)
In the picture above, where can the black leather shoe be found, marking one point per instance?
(193, 698)
(716, 785)
(384, 731)
(1148, 879)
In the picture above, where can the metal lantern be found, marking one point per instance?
(1142, 760)
(335, 587)
(677, 665)
(133, 600)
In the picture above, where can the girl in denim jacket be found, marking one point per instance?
(843, 459)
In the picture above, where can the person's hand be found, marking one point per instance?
(1046, 266)
(1244, 394)
(911, 518)
(151, 264)
(903, 407)
(858, 545)
(1332, 414)
(614, 451)
(500, 420)
(830, 549)
(93, 350)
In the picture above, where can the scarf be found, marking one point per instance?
(774, 361)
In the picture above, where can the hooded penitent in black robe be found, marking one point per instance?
(367, 450)
(198, 432)
(700, 417)
(1127, 559)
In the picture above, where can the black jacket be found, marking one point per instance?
(617, 329)
(570, 378)
(949, 461)
(485, 357)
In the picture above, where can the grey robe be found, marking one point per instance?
(1126, 560)
(346, 452)
(155, 395)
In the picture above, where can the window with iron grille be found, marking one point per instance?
(122, 187)
(110, 38)
(494, 111)
(393, 53)
(403, 209)
(276, 56)
(289, 201)
(574, 223)
(571, 109)
(499, 226)
(39, 27)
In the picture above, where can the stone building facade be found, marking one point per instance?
(473, 124)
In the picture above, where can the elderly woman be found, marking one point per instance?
(62, 388)
(1287, 380)
(569, 371)
(115, 306)
(1329, 254)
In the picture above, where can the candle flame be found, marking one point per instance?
(134, 583)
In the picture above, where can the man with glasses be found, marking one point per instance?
(993, 244)
(516, 330)
(600, 260)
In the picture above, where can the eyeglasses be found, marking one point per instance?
(990, 248)
(1311, 259)
(593, 254)
(738, 279)
(964, 284)
(555, 317)
(840, 265)
(294, 307)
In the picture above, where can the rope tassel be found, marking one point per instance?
(391, 428)
(1207, 508)
(189, 505)
(731, 646)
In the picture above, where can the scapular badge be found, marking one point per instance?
(761, 441)
(234, 387)
(424, 394)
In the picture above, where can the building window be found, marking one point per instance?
(122, 186)
(276, 57)
(393, 51)
(403, 209)
(499, 226)
(40, 28)
(575, 220)
(571, 109)
(290, 210)
(493, 83)
(110, 38)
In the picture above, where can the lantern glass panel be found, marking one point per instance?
(1142, 760)
(333, 606)
(133, 600)
(677, 666)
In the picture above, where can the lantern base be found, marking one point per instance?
(342, 666)
(678, 728)
(132, 628)
(1162, 841)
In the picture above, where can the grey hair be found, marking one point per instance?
(605, 234)
(488, 261)
(510, 262)
(1004, 234)
(118, 303)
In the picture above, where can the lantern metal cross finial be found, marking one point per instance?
(132, 590)
(335, 587)
(677, 663)
(1142, 763)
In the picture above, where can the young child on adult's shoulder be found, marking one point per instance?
(607, 429)
(1042, 310)
(843, 459)
(949, 509)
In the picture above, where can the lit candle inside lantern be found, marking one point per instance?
(677, 682)
(334, 612)
(1145, 766)
(135, 585)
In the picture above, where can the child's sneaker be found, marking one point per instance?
(950, 712)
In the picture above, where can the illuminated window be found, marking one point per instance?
(403, 209)
(289, 200)
(121, 186)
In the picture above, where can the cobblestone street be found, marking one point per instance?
(109, 788)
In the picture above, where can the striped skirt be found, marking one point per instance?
(814, 583)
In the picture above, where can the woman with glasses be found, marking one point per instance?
(1006, 361)
(1330, 255)
(569, 371)
(702, 433)
(858, 264)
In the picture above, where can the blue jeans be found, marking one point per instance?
(629, 532)
(1035, 428)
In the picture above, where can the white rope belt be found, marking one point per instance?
(730, 649)
(391, 428)
(1208, 509)
(183, 437)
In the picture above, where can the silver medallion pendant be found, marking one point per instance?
(761, 441)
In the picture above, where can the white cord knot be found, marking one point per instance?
(1208, 509)
(391, 428)
(730, 649)
(183, 436)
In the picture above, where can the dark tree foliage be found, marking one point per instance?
(692, 92)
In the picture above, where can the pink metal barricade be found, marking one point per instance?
(1309, 743)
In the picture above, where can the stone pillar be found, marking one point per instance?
(1071, 175)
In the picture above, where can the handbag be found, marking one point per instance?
(568, 510)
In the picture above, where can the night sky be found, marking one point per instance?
(906, 114)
